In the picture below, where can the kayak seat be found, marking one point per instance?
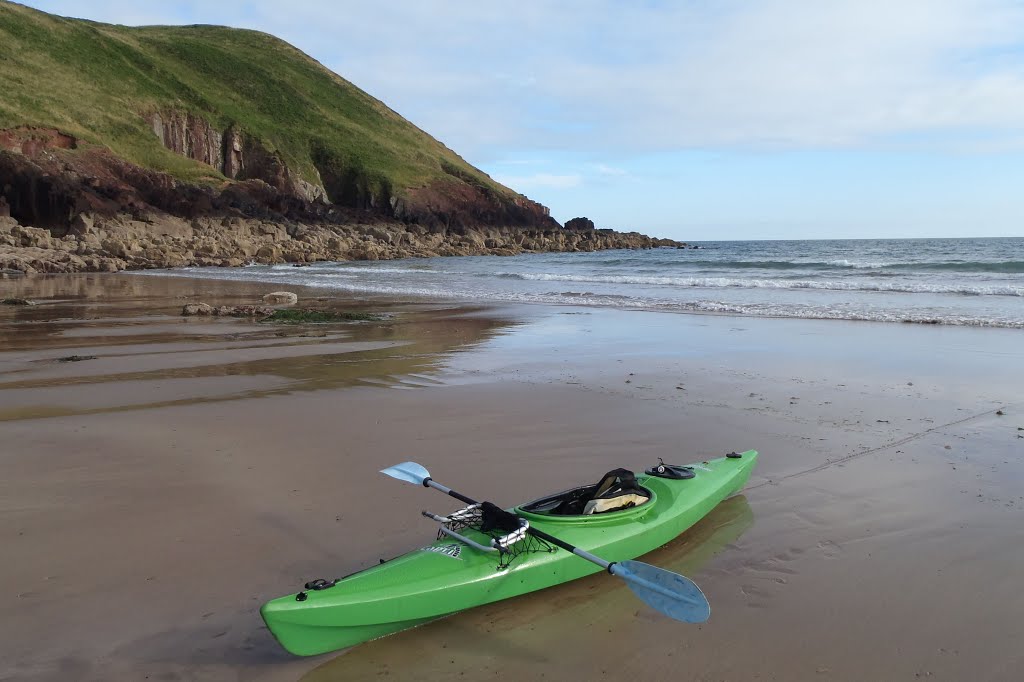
(615, 491)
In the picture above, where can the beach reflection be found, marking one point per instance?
(574, 630)
(138, 352)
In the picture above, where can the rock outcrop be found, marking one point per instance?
(580, 224)
(207, 310)
(122, 242)
(193, 136)
(47, 178)
(69, 207)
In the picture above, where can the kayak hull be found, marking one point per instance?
(447, 576)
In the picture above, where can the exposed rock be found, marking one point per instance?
(16, 301)
(206, 309)
(191, 309)
(89, 211)
(30, 140)
(98, 244)
(282, 297)
(580, 224)
(230, 152)
(143, 218)
(243, 311)
(189, 135)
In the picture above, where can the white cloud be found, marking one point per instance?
(623, 77)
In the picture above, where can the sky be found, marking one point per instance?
(722, 119)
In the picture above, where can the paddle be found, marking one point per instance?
(670, 593)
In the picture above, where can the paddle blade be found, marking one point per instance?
(410, 472)
(670, 593)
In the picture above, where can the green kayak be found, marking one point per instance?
(472, 563)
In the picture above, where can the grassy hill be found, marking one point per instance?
(100, 82)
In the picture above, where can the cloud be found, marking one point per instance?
(629, 77)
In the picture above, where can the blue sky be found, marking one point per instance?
(728, 119)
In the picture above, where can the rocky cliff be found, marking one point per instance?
(236, 155)
(69, 207)
(162, 146)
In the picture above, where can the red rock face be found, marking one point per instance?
(189, 135)
(50, 189)
(237, 156)
(459, 205)
(31, 141)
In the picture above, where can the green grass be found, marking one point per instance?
(98, 81)
(299, 316)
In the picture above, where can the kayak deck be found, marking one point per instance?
(447, 576)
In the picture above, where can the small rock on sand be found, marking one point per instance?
(16, 301)
(197, 309)
(190, 309)
(282, 297)
(243, 311)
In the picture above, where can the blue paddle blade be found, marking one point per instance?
(670, 593)
(410, 472)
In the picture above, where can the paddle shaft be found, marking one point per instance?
(670, 593)
(581, 553)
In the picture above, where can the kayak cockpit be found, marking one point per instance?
(617, 490)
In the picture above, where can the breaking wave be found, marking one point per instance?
(744, 283)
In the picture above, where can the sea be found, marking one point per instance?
(965, 282)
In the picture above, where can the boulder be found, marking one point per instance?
(580, 224)
(82, 224)
(281, 297)
(197, 309)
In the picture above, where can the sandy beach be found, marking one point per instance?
(154, 496)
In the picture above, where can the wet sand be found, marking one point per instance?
(154, 497)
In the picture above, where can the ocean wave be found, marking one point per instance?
(744, 283)
(841, 264)
(812, 313)
(1003, 267)
(633, 301)
(373, 269)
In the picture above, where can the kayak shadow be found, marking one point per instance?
(557, 628)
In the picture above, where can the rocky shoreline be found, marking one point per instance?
(94, 244)
(70, 207)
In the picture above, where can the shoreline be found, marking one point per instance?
(669, 280)
(185, 482)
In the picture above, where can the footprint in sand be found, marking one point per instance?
(770, 572)
(757, 598)
(829, 549)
